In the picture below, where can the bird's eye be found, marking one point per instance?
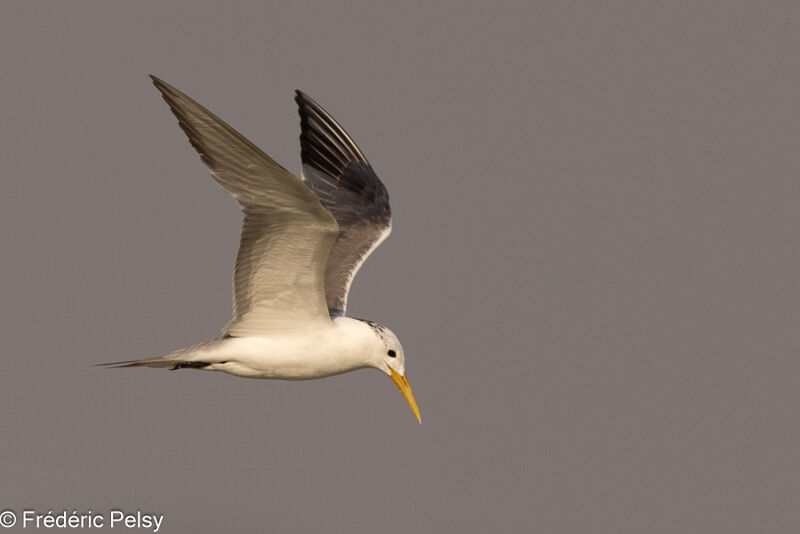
(391, 353)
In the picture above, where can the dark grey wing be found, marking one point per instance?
(343, 180)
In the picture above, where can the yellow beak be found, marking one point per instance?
(408, 393)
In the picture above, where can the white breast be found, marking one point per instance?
(345, 346)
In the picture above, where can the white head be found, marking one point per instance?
(388, 356)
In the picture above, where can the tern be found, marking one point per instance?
(302, 242)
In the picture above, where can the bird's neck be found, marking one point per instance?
(357, 342)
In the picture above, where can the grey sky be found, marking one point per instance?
(593, 269)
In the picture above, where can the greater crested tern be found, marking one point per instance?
(302, 242)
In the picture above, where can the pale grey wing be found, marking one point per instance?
(286, 236)
(343, 180)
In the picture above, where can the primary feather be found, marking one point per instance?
(286, 235)
(344, 181)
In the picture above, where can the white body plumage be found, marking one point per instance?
(344, 345)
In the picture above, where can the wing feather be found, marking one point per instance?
(345, 183)
(286, 235)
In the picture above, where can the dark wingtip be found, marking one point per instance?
(324, 144)
(300, 97)
(158, 82)
(166, 90)
(304, 102)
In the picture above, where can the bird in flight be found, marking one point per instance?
(301, 244)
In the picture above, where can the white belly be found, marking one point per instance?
(290, 357)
